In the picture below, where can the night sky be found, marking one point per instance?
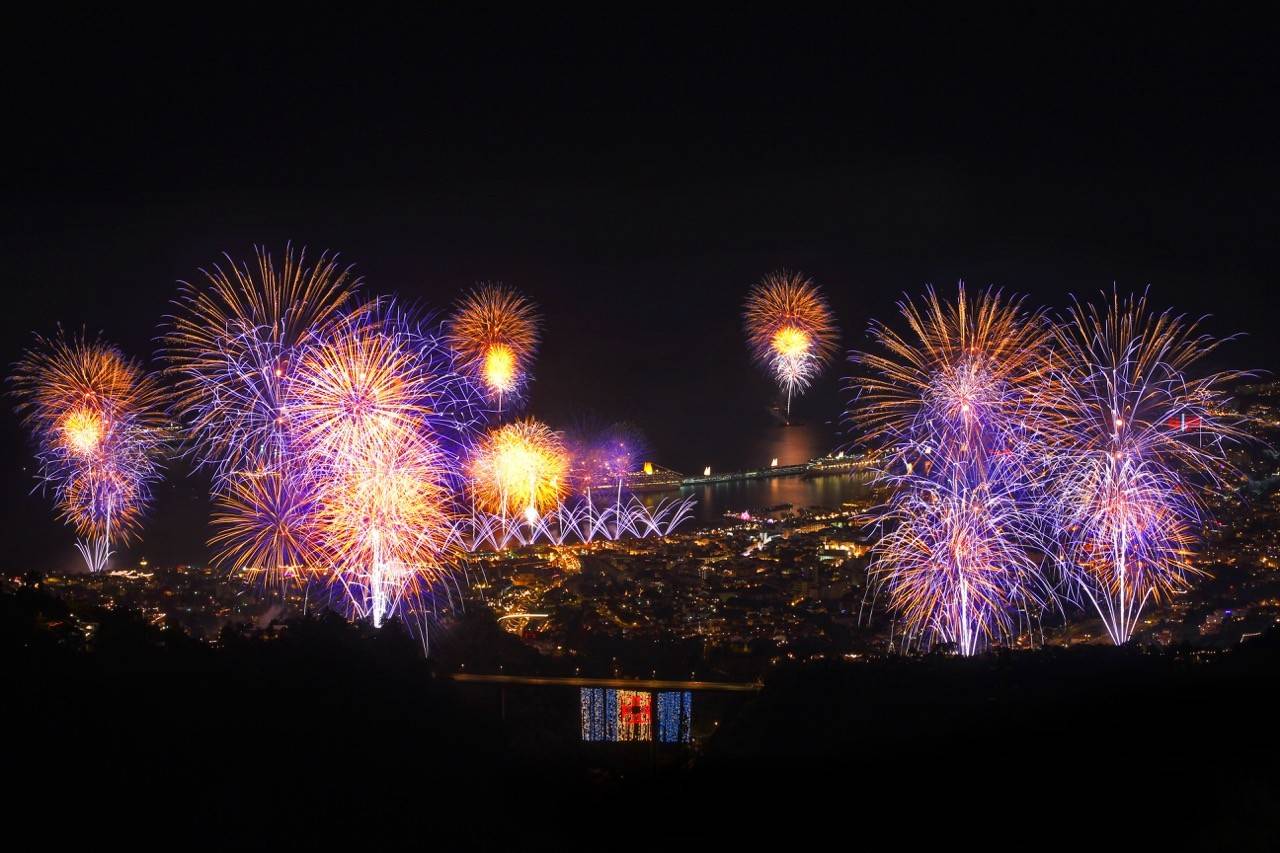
(633, 173)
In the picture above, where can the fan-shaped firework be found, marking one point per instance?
(232, 343)
(957, 407)
(1138, 432)
(495, 331)
(99, 430)
(954, 562)
(519, 469)
(790, 330)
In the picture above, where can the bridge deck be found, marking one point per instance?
(620, 683)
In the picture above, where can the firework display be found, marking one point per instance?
(956, 406)
(366, 499)
(495, 332)
(232, 343)
(1027, 461)
(790, 330)
(98, 424)
(520, 493)
(337, 433)
(1018, 445)
(601, 456)
(1142, 445)
(576, 520)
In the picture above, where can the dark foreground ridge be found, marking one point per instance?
(321, 734)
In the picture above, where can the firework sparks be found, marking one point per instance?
(519, 469)
(969, 374)
(955, 563)
(231, 345)
(365, 495)
(790, 330)
(98, 424)
(603, 455)
(1137, 432)
(957, 407)
(495, 331)
(265, 523)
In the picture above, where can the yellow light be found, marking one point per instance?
(790, 342)
(518, 466)
(500, 368)
(83, 431)
(648, 469)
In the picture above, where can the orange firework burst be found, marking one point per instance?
(232, 344)
(519, 468)
(495, 331)
(367, 384)
(790, 329)
(98, 421)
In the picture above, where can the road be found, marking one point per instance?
(620, 683)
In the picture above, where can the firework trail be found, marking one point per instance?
(232, 344)
(98, 425)
(495, 331)
(790, 330)
(1141, 443)
(957, 406)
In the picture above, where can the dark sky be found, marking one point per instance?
(634, 173)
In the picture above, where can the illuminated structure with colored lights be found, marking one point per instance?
(599, 714)
(790, 330)
(675, 716)
(617, 715)
(1140, 447)
(98, 423)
